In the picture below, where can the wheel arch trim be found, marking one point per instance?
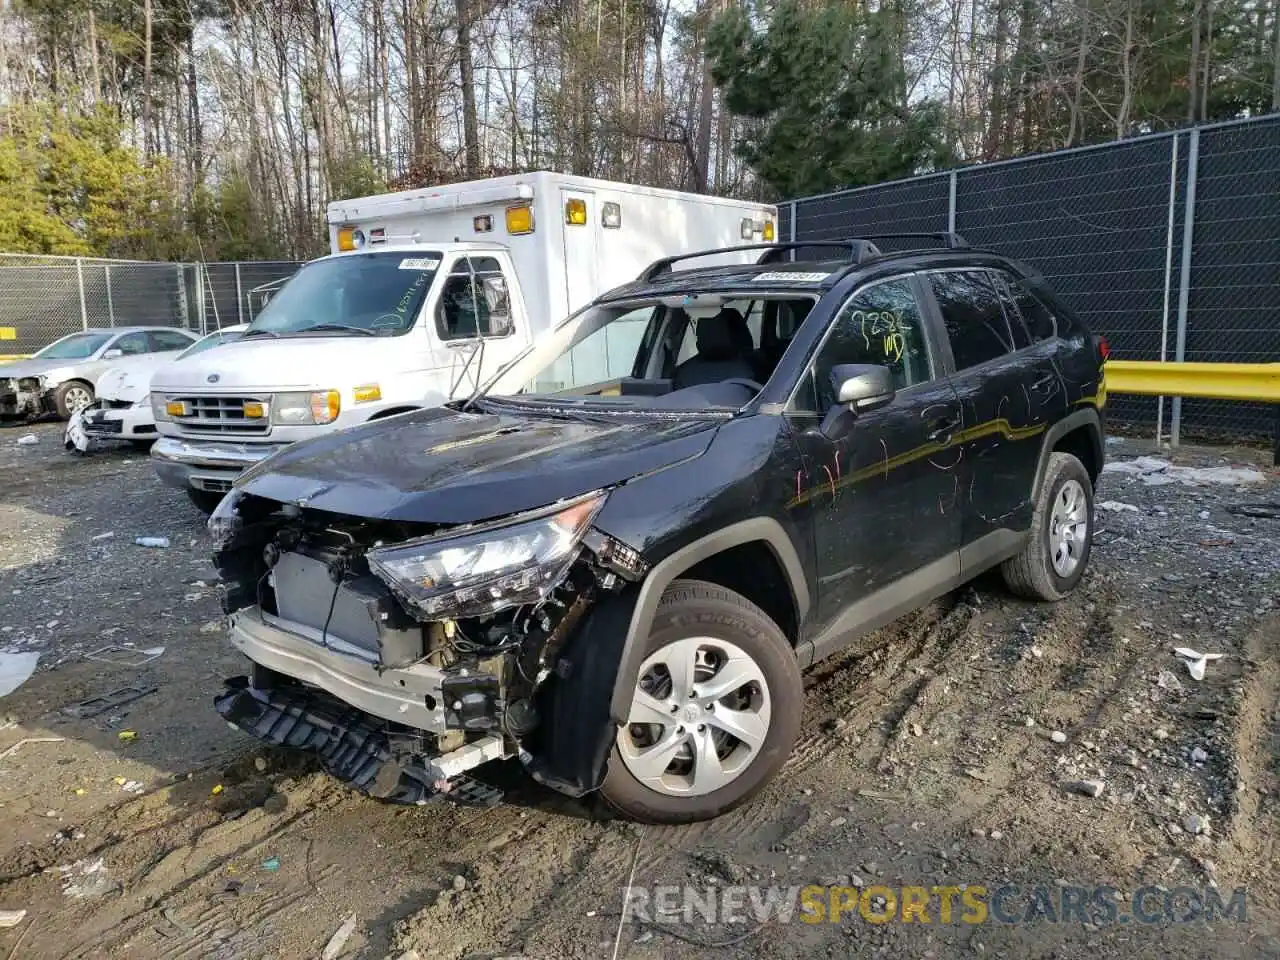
(1087, 418)
(764, 529)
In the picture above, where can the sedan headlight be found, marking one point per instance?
(320, 406)
(158, 408)
(472, 574)
(145, 402)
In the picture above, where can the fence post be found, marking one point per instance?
(200, 296)
(111, 307)
(951, 203)
(1184, 281)
(184, 309)
(239, 296)
(84, 313)
(1168, 281)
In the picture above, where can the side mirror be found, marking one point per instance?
(859, 388)
(862, 386)
(112, 353)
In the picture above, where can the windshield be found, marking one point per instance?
(211, 341)
(667, 347)
(351, 295)
(75, 347)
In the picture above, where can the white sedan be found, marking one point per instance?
(122, 407)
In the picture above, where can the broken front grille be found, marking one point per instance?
(214, 415)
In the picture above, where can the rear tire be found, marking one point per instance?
(71, 396)
(205, 500)
(1054, 559)
(705, 633)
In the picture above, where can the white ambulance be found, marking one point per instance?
(425, 295)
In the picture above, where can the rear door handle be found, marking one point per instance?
(942, 430)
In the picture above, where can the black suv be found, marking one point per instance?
(614, 561)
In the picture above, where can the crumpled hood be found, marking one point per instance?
(130, 383)
(441, 467)
(284, 363)
(33, 367)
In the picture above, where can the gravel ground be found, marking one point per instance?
(962, 752)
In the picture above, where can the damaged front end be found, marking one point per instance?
(406, 656)
(23, 398)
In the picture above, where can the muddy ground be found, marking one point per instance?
(154, 830)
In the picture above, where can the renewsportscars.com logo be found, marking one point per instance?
(970, 904)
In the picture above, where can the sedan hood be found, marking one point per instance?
(32, 368)
(441, 467)
(131, 382)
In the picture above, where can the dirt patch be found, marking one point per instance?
(939, 756)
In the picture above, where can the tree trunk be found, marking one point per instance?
(1275, 56)
(1193, 71)
(1077, 125)
(194, 130)
(384, 57)
(93, 57)
(466, 68)
(999, 82)
(146, 78)
(1126, 75)
(702, 141)
(1206, 81)
(1020, 111)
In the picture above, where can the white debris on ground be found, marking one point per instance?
(1115, 506)
(85, 879)
(1155, 472)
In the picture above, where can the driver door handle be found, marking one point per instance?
(941, 429)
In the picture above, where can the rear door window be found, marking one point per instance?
(164, 340)
(133, 344)
(973, 315)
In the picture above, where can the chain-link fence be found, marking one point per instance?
(44, 298)
(1112, 229)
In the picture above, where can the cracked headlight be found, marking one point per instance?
(159, 411)
(513, 562)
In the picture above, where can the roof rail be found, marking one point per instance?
(858, 249)
(950, 239)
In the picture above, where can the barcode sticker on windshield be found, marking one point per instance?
(789, 276)
(419, 263)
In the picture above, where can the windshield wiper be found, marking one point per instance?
(338, 326)
(253, 333)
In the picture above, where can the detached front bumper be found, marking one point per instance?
(356, 748)
(370, 726)
(210, 465)
(413, 696)
(119, 423)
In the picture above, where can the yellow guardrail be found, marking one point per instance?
(1214, 381)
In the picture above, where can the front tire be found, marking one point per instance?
(1054, 559)
(72, 396)
(206, 501)
(715, 709)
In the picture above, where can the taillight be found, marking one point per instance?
(1104, 348)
